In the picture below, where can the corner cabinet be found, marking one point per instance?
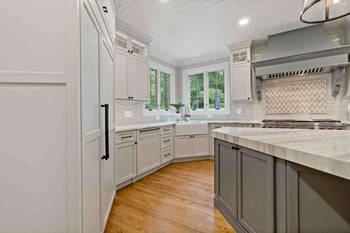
(191, 146)
(241, 75)
(131, 69)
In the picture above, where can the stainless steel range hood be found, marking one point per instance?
(300, 52)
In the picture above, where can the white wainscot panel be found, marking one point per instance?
(33, 158)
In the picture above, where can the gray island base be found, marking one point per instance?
(290, 189)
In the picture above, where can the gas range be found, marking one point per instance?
(322, 124)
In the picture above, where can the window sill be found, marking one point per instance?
(158, 113)
(209, 112)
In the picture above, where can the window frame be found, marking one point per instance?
(164, 69)
(205, 70)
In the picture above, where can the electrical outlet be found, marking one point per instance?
(239, 111)
(128, 114)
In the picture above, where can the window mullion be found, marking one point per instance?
(158, 90)
(206, 90)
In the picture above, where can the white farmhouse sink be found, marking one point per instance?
(191, 128)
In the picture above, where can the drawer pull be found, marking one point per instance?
(126, 137)
(167, 155)
(166, 130)
(166, 141)
(146, 130)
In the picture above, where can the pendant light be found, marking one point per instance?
(320, 11)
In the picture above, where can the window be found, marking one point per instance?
(197, 91)
(164, 91)
(161, 89)
(153, 90)
(206, 89)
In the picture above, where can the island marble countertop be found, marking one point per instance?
(324, 150)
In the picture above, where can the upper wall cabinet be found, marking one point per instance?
(240, 72)
(131, 69)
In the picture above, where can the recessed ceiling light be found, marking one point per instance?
(243, 21)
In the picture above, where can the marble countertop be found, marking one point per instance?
(327, 151)
(166, 123)
(143, 126)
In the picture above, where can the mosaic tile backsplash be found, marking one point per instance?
(296, 97)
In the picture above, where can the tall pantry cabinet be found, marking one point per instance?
(56, 70)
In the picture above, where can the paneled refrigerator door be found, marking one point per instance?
(107, 165)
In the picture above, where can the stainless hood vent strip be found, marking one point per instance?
(319, 70)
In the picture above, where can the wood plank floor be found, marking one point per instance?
(178, 198)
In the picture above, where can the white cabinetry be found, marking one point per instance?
(97, 65)
(148, 150)
(166, 144)
(125, 162)
(191, 146)
(241, 75)
(132, 69)
(54, 75)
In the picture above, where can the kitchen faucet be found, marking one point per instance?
(187, 115)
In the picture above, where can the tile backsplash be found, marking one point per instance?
(296, 97)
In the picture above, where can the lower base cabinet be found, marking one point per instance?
(258, 193)
(191, 146)
(125, 166)
(316, 202)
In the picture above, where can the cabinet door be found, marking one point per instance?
(226, 170)
(316, 201)
(92, 141)
(182, 147)
(241, 82)
(107, 97)
(256, 191)
(139, 78)
(121, 75)
(199, 145)
(125, 162)
(148, 150)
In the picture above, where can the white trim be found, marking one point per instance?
(168, 70)
(204, 58)
(205, 70)
(126, 28)
(160, 56)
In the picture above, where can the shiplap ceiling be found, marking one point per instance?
(185, 29)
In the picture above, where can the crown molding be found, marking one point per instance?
(239, 45)
(130, 30)
(156, 55)
(204, 58)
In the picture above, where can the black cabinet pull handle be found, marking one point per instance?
(105, 10)
(167, 140)
(167, 155)
(106, 107)
(129, 51)
(234, 148)
(126, 137)
(132, 52)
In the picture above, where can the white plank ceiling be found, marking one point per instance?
(184, 29)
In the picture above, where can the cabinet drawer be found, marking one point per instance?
(166, 130)
(125, 137)
(166, 141)
(167, 154)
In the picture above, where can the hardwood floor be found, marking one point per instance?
(178, 198)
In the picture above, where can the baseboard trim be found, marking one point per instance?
(228, 216)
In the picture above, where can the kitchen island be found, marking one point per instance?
(281, 180)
